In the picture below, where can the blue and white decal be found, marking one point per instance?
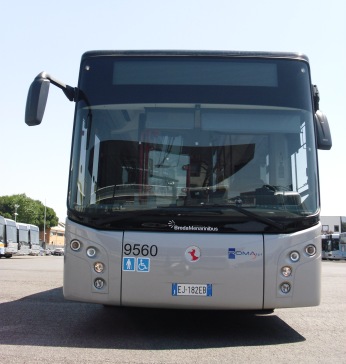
(233, 253)
(132, 264)
(129, 264)
(143, 265)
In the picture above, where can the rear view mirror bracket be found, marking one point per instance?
(38, 95)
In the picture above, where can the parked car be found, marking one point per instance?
(45, 251)
(58, 251)
(48, 252)
(35, 252)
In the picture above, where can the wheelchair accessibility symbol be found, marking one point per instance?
(143, 265)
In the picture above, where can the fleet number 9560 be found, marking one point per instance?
(139, 249)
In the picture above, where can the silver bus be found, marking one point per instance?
(337, 246)
(193, 179)
(34, 241)
(23, 239)
(8, 238)
(325, 241)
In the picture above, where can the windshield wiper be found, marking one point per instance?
(257, 217)
(112, 217)
(169, 211)
(116, 217)
(237, 208)
(248, 213)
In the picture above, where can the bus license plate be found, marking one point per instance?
(188, 289)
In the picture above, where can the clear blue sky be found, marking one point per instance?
(51, 36)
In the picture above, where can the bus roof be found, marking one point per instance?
(33, 227)
(22, 226)
(195, 53)
(10, 222)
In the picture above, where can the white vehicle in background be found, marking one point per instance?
(2, 236)
(48, 251)
(58, 251)
(34, 243)
(23, 238)
(337, 247)
(334, 246)
(325, 246)
(8, 237)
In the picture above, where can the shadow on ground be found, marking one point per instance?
(47, 319)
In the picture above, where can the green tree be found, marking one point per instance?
(29, 211)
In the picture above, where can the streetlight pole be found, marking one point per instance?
(44, 224)
(15, 212)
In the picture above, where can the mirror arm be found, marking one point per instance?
(316, 98)
(70, 92)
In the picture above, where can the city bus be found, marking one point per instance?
(2, 237)
(342, 245)
(325, 240)
(337, 246)
(34, 241)
(8, 237)
(23, 238)
(193, 181)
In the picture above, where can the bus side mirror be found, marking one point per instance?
(37, 100)
(324, 138)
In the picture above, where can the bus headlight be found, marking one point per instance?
(99, 267)
(294, 256)
(91, 252)
(285, 287)
(75, 245)
(99, 283)
(310, 250)
(286, 271)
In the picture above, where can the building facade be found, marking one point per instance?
(55, 236)
(333, 224)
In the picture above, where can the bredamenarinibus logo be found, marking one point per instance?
(199, 228)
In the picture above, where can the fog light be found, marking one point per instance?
(91, 252)
(75, 245)
(99, 267)
(99, 283)
(286, 271)
(285, 287)
(310, 250)
(294, 256)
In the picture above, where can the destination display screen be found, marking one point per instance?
(194, 72)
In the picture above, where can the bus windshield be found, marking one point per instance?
(153, 142)
(2, 231)
(11, 233)
(34, 237)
